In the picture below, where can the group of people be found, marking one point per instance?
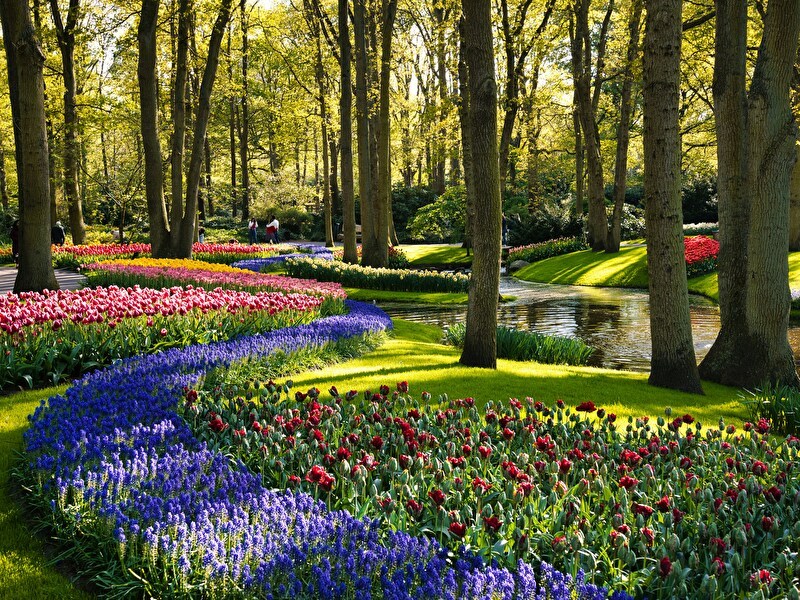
(271, 230)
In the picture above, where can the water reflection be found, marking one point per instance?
(616, 322)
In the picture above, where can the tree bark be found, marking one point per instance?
(232, 130)
(673, 363)
(244, 137)
(209, 188)
(466, 136)
(623, 129)
(345, 112)
(3, 186)
(794, 201)
(480, 343)
(771, 145)
(755, 153)
(179, 119)
(25, 61)
(65, 33)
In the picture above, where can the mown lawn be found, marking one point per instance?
(420, 255)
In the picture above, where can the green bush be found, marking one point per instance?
(442, 221)
(534, 252)
(395, 280)
(406, 201)
(530, 346)
(552, 219)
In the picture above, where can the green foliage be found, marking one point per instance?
(443, 220)
(699, 198)
(401, 280)
(778, 404)
(519, 345)
(632, 225)
(542, 250)
(406, 201)
(551, 219)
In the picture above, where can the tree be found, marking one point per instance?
(623, 128)
(673, 363)
(345, 113)
(756, 135)
(65, 32)
(25, 60)
(480, 342)
(174, 236)
(587, 96)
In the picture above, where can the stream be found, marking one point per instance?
(615, 321)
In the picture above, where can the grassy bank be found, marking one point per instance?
(416, 297)
(421, 255)
(24, 570)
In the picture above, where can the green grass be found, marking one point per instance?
(420, 255)
(415, 354)
(24, 571)
(628, 268)
(417, 297)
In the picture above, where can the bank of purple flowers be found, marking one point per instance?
(309, 251)
(115, 464)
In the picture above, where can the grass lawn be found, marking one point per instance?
(626, 269)
(416, 355)
(24, 571)
(418, 297)
(420, 255)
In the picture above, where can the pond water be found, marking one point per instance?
(615, 321)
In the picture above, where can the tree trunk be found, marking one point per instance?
(579, 154)
(232, 129)
(362, 116)
(771, 146)
(466, 136)
(755, 152)
(209, 188)
(794, 201)
(673, 363)
(480, 343)
(148, 93)
(25, 61)
(345, 113)
(179, 123)
(336, 195)
(3, 186)
(244, 136)
(623, 129)
(66, 42)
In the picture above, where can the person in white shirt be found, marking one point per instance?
(272, 230)
(253, 231)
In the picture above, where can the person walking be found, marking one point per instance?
(57, 235)
(273, 228)
(253, 231)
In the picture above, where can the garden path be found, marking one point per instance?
(68, 280)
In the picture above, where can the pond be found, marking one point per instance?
(615, 321)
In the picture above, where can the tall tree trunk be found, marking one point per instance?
(466, 136)
(209, 188)
(480, 342)
(232, 129)
(336, 195)
(148, 94)
(623, 129)
(794, 201)
(244, 138)
(579, 157)
(25, 60)
(181, 73)
(673, 363)
(581, 49)
(3, 186)
(362, 116)
(375, 250)
(534, 132)
(755, 151)
(65, 33)
(440, 140)
(345, 113)
(771, 146)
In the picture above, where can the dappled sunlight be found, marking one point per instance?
(628, 268)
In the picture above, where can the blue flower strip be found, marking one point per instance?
(257, 264)
(113, 447)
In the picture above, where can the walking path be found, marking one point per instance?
(67, 280)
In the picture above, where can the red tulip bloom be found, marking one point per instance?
(458, 529)
(492, 523)
(587, 406)
(437, 496)
(664, 567)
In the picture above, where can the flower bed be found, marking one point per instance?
(260, 264)
(113, 461)
(701, 255)
(50, 336)
(397, 258)
(168, 272)
(396, 280)
(77, 256)
(533, 252)
(664, 511)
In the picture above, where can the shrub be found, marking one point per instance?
(550, 220)
(397, 280)
(699, 199)
(397, 258)
(542, 250)
(406, 201)
(443, 220)
(529, 345)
